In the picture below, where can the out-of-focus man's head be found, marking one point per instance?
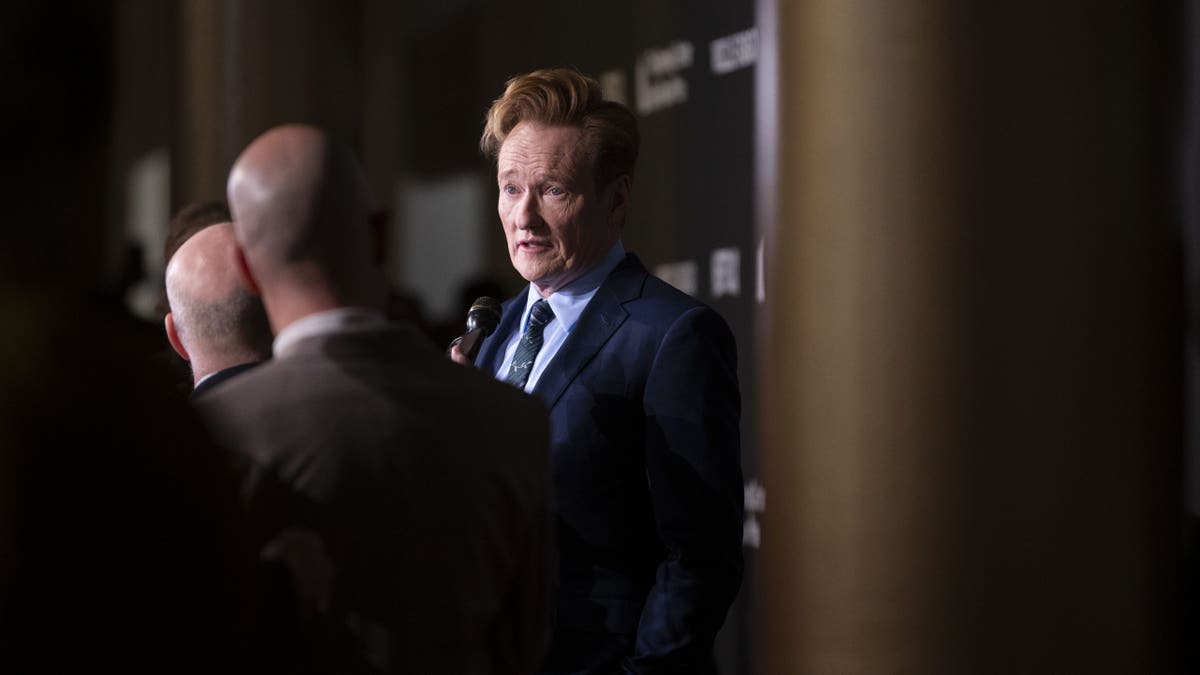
(302, 216)
(564, 165)
(215, 322)
(188, 221)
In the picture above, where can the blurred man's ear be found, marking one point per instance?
(173, 336)
(245, 273)
(617, 195)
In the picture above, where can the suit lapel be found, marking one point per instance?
(603, 315)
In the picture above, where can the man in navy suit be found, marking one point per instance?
(640, 380)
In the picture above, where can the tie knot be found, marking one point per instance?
(540, 314)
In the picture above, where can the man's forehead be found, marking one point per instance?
(539, 149)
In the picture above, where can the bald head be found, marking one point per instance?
(215, 322)
(302, 212)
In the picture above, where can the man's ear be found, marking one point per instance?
(618, 200)
(173, 337)
(245, 273)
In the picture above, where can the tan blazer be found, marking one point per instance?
(429, 482)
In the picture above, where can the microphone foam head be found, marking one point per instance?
(484, 315)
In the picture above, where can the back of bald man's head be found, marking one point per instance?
(214, 311)
(301, 209)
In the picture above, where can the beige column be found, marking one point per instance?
(248, 66)
(970, 365)
(197, 169)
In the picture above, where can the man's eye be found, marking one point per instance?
(557, 191)
(509, 189)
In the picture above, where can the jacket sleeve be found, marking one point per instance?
(693, 467)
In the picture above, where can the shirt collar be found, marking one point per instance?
(328, 322)
(569, 301)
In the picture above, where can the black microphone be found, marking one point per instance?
(482, 319)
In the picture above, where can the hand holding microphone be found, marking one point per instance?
(482, 319)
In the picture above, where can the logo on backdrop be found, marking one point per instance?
(658, 76)
(726, 272)
(683, 275)
(734, 52)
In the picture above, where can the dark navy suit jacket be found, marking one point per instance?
(644, 418)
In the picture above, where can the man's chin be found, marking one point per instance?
(544, 283)
(536, 275)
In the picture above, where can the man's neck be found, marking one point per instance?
(206, 367)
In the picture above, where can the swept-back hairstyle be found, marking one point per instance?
(563, 96)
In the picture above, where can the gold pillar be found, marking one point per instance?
(198, 167)
(248, 66)
(971, 374)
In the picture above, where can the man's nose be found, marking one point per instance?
(527, 215)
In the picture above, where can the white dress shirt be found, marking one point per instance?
(568, 303)
(340, 320)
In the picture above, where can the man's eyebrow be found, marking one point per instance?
(530, 175)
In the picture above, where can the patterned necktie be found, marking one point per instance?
(531, 343)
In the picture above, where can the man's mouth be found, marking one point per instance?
(532, 245)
